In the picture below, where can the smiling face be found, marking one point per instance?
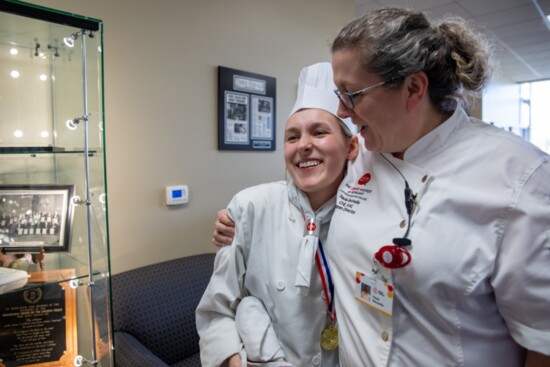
(390, 119)
(316, 151)
(379, 113)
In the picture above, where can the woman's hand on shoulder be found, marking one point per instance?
(224, 229)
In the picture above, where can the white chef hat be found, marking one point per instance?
(316, 90)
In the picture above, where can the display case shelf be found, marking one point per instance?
(53, 197)
(43, 153)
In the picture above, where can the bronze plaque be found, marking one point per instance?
(37, 322)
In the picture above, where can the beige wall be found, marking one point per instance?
(161, 61)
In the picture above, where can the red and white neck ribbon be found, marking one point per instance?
(326, 280)
(308, 246)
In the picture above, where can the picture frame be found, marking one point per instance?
(35, 217)
(246, 110)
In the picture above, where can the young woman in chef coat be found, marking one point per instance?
(270, 299)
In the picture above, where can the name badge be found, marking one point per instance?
(374, 292)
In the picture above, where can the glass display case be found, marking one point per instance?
(53, 199)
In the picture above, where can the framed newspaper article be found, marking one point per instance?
(246, 110)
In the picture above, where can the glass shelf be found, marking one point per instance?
(53, 188)
(34, 153)
(41, 278)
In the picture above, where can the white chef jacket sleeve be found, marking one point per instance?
(257, 332)
(215, 314)
(521, 277)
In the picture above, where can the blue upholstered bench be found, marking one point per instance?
(154, 312)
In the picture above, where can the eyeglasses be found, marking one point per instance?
(347, 98)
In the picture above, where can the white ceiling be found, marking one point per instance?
(522, 36)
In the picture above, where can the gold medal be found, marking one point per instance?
(329, 337)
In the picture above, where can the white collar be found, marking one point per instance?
(435, 139)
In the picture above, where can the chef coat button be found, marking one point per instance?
(385, 336)
(403, 223)
(425, 178)
(280, 285)
(323, 296)
(316, 360)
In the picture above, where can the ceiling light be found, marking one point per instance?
(545, 17)
(14, 74)
(13, 51)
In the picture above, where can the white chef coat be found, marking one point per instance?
(478, 285)
(262, 262)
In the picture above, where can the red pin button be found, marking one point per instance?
(393, 257)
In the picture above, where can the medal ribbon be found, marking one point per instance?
(324, 273)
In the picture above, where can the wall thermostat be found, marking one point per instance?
(177, 195)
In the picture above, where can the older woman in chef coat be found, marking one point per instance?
(453, 224)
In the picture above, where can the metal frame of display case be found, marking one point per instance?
(89, 27)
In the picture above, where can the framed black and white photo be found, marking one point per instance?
(33, 217)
